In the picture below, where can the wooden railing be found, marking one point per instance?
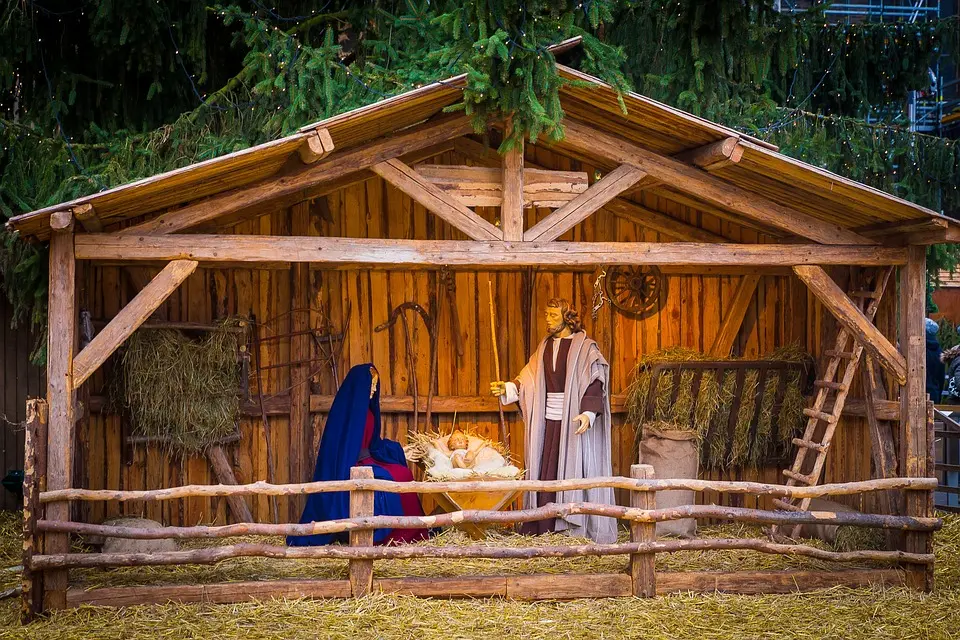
(639, 579)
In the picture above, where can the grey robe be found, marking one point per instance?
(584, 456)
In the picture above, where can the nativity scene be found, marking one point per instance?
(751, 339)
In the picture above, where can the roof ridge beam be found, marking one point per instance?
(705, 186)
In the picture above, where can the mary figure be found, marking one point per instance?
(352, 438)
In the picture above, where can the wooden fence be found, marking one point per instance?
(639, 579)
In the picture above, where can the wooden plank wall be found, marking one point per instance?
(782, 313)
(19, 380)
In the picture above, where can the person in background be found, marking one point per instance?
(935, 367)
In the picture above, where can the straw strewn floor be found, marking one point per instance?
(833, 613)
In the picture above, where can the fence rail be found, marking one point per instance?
(388, 486)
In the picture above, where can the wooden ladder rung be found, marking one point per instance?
(786, 506)
(799, 477)
(816, 446)
(826, 384)
(864, 294)
(833, 353)
(829, 418)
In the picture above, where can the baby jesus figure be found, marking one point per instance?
(460, 456)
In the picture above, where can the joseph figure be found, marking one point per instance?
(563, 394)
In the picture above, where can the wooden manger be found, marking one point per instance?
(375, 209)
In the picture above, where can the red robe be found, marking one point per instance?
(400, 473)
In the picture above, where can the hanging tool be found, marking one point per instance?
(430, 323)
(449, 285)
(504, 433)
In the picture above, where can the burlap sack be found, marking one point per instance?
(673, 454)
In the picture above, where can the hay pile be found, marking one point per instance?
(182, 392)
(759, 437)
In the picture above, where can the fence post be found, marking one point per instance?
(643, 565)
(34, 468)
(361, 504)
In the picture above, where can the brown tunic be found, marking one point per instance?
(592, 400)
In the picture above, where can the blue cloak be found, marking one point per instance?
(339, 450)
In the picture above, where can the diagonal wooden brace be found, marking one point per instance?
(130, 317)
(850, 316)
(580, 208)
(404, 178)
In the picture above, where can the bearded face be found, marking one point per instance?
(554, 320)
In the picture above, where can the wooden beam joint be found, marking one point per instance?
(317, 145)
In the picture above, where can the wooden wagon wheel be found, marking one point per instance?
(635, 289)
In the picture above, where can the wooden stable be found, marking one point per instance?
(399, 202)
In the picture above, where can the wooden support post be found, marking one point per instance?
(882, 448)
(643, 565)
(730, 327)
(511, 210)
(300, 441)
(913, 410)
(61, 396)
(361, 504)
(223, 471)
(34, 467)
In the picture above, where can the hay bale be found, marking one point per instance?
(179, 391)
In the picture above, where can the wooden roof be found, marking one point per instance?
(761, 170)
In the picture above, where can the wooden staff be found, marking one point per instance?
(504, 433)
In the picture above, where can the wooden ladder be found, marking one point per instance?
(848, 350)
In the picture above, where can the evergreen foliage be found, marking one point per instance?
(96, 94)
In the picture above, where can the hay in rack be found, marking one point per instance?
(180, 392)
(760, 431)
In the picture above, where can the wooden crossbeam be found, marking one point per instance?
(732, 322)
(337, 165)
(850, 316)
(317, 145)
(404, 178)
(374, 251)
(578, 209)
(130, 317)
(705, 186)
(483, 186)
